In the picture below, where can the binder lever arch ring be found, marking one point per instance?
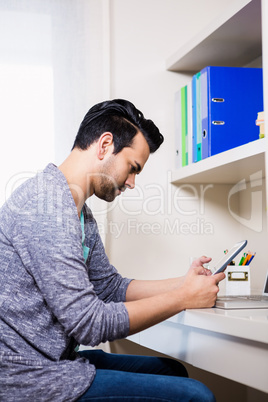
(218, 122)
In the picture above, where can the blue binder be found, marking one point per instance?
(231, 98)
(196, 118)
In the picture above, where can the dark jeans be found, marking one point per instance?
(141, 378)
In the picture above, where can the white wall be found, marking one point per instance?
(53, 68)
(144, 33)
(51, 72)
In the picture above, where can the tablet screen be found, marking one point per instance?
(228, 257)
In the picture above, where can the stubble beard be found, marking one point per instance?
(108, 188)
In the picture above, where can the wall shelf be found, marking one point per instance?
(227, 167)
(233, 39)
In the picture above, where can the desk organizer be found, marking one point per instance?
(237, 280)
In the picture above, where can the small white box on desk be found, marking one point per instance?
(237, 280)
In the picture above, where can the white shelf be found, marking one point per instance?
(227, 167)
(233, 39)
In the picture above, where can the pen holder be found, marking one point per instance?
(237, 280)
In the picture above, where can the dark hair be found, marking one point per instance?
(123, 120)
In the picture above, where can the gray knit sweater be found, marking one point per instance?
(50, 300)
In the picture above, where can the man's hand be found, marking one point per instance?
(200, 288)
(200, 262)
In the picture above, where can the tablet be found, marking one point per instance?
(228, 257)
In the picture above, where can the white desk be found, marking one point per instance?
(232, 344)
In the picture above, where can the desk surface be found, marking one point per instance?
(251, 324)
(230, 343)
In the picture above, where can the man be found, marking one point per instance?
(58, 289)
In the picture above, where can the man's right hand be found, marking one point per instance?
(200, 290)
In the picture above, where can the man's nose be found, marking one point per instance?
(130, 182)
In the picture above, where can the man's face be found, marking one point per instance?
(119, 171)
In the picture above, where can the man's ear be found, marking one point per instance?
(105, 145)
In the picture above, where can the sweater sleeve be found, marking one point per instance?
(108, 284)
(46, 234)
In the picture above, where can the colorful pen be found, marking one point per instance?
(251, 258)
(241, 261)
(248, 257)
